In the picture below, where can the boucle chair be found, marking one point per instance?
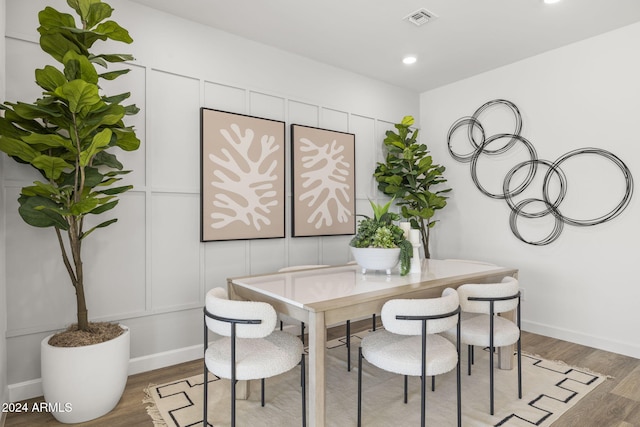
(249, 347)
(488, 329)
(410, 345)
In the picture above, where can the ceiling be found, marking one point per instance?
(370, 37)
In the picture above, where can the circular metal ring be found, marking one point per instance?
(464, 121)
(613, 212)
(551, 207)
(482, 150)
(517, 212)
(516, 131)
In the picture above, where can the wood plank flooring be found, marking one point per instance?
(616, 403)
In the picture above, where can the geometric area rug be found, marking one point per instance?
(550, 388)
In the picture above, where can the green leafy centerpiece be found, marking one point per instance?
(379, 243)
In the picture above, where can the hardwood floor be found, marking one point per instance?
(616, 403)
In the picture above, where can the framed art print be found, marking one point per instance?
(242, 176)
(323, 182)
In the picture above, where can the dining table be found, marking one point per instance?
(330, 295)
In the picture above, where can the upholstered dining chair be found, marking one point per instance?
(409, 344)
(487, 328)
(249, 347)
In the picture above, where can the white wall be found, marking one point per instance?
(4, 392)
(584, 286)
(150, 270)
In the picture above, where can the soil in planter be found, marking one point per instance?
(99, 332)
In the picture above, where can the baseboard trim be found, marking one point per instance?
(593, 341)
(162, 360)
(25, 390)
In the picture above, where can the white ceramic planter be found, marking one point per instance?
(376, 258)
(84, 383)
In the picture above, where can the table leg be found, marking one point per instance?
(317, 380)
(242, 390)
(506, 358)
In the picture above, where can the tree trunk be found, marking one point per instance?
(83, 319)
(75, 270)
(76, 249)
(424, 230)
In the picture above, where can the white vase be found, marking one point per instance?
(376, 258)
(84, 383)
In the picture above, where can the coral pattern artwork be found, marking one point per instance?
(242, 176)
(323, 181)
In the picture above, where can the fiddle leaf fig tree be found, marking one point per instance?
(69, 133)
(408, 174)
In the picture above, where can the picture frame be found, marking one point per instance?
(242, 176)
(322, 181)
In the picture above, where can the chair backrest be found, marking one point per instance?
(218, 303)
(507, 287)
(447, 303)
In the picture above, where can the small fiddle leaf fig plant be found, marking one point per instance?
(69, 134)
(409, 175)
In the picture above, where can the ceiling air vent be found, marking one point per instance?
(420, 16)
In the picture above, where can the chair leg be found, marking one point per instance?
(359, 386)
(491, 378)
(262, 392)
(206, 395)
(302, 332)
(423, 376)
(491, 357)
(304, 393)
(406, 387)
(469, 359)
(433, 383)
(205, 392)
(349, 345)
(373, 318)
(423, 399)
(233, 403)
(458, 383)
(519, 369)
(458, 374)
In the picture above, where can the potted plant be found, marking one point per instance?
(408, 174)
(67, 136)
(379, 243)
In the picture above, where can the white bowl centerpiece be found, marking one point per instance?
(379, 244)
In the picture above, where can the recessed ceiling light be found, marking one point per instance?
(409, 60)
(551, 1)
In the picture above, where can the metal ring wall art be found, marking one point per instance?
(492, 145)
